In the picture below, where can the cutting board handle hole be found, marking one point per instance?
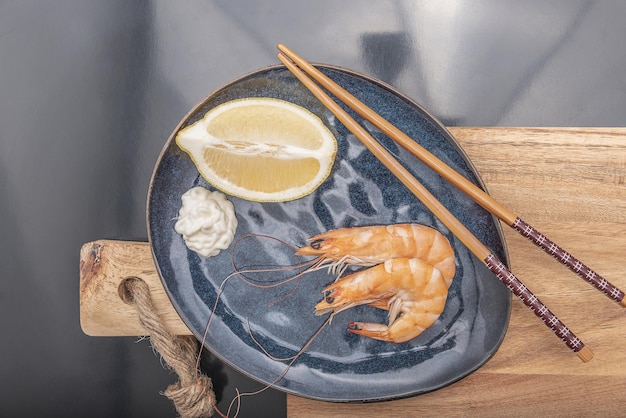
(124, 289)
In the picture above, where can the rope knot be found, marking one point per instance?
(195, 399)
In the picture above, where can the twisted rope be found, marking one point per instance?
(192, 395)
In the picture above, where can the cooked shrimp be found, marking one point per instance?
(413, 291)
(369, 245)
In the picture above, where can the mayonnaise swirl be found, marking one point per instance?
(206, 221)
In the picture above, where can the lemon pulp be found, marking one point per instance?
(261, 149)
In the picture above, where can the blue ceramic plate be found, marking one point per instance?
(337, 366)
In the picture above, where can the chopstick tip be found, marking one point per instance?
(585, 354)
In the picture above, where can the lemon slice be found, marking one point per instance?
(261, 149)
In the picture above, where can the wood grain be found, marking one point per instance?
(570, 185)
(103, 267)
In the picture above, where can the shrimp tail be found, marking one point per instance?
(370, 329)
(400, 331)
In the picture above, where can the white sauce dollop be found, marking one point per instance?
(206, 221)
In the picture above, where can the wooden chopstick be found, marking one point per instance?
(474, 192)
(448, 219)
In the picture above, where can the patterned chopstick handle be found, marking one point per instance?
(570, 261)
(533, 303)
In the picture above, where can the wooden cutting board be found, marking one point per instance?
(569, 184)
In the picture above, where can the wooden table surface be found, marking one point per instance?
(569, 184)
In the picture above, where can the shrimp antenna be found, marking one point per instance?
(239, 395)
